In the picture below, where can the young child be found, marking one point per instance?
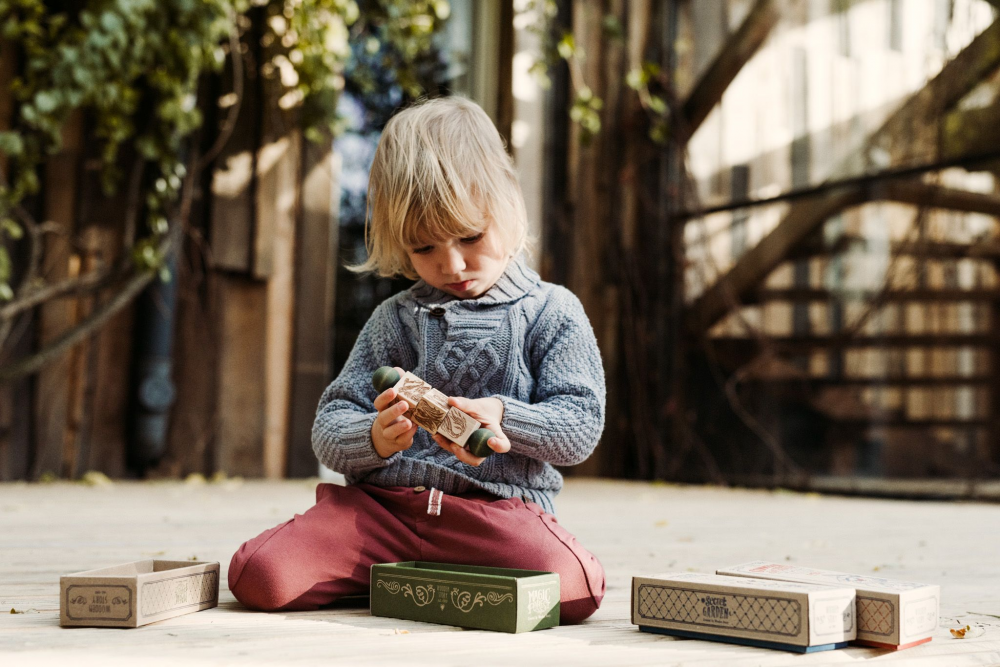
(514, 352)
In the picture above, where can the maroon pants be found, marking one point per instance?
(326, 553)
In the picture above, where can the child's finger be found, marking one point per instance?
(461, 453)
(397, 429)
(391, 414)
(383, 400)
(499, 444)
(465, 405)
(405, 439)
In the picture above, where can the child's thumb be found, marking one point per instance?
(465, 405)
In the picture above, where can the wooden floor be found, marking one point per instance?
(53, 529)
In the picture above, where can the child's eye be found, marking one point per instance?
(473, 239)
(423, 250)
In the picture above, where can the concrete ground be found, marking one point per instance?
(634, 528)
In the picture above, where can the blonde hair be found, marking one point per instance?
(440, 171)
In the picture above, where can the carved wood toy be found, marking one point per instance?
(429, 409)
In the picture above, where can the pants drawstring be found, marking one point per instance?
(434, 502)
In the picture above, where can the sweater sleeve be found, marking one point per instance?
(341, 434)
(564, 420)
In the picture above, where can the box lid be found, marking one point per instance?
(762, 568)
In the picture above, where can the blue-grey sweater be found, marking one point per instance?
(525, 341)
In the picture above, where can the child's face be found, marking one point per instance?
(464, 268)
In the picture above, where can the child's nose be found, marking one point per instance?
(454, 262)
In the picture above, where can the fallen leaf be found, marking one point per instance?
(968, 632)
(402, 632)
(95, 478)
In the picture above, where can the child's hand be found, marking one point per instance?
(391, 431)
(488, 412)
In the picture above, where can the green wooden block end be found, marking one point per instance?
(477, 442)
(384, 378)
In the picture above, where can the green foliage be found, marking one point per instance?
(400, 34)
(134, 67)
(307, 44)
(559, 45)
(656, 107)
(586, 111)
(612, 28)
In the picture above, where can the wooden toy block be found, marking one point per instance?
(458, 426)
(411, 389)
(431, 411)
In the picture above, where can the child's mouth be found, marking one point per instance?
(460, 287)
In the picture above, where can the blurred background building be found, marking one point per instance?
(780, 215)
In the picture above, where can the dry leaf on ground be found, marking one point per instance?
(968, 632)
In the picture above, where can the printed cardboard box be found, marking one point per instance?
(754, 612)
(134, 594)
(487, 598)
(891, 614)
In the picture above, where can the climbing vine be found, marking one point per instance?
(134, 68)
(559, 45)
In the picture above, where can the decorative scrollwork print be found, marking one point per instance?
(495, 598)
(391, 586)
(422, 596)
(464, 600)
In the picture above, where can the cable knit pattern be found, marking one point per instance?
(526, 342)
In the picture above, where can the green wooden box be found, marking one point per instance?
(469, 596)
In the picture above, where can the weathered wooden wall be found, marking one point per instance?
(599, 205)
(253, 338)
(251, 353)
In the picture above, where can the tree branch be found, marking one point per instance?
(35, 232)
(236, 56)
(76, 286)
(132, 287)
(88, 326)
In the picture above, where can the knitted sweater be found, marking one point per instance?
(525, 341)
